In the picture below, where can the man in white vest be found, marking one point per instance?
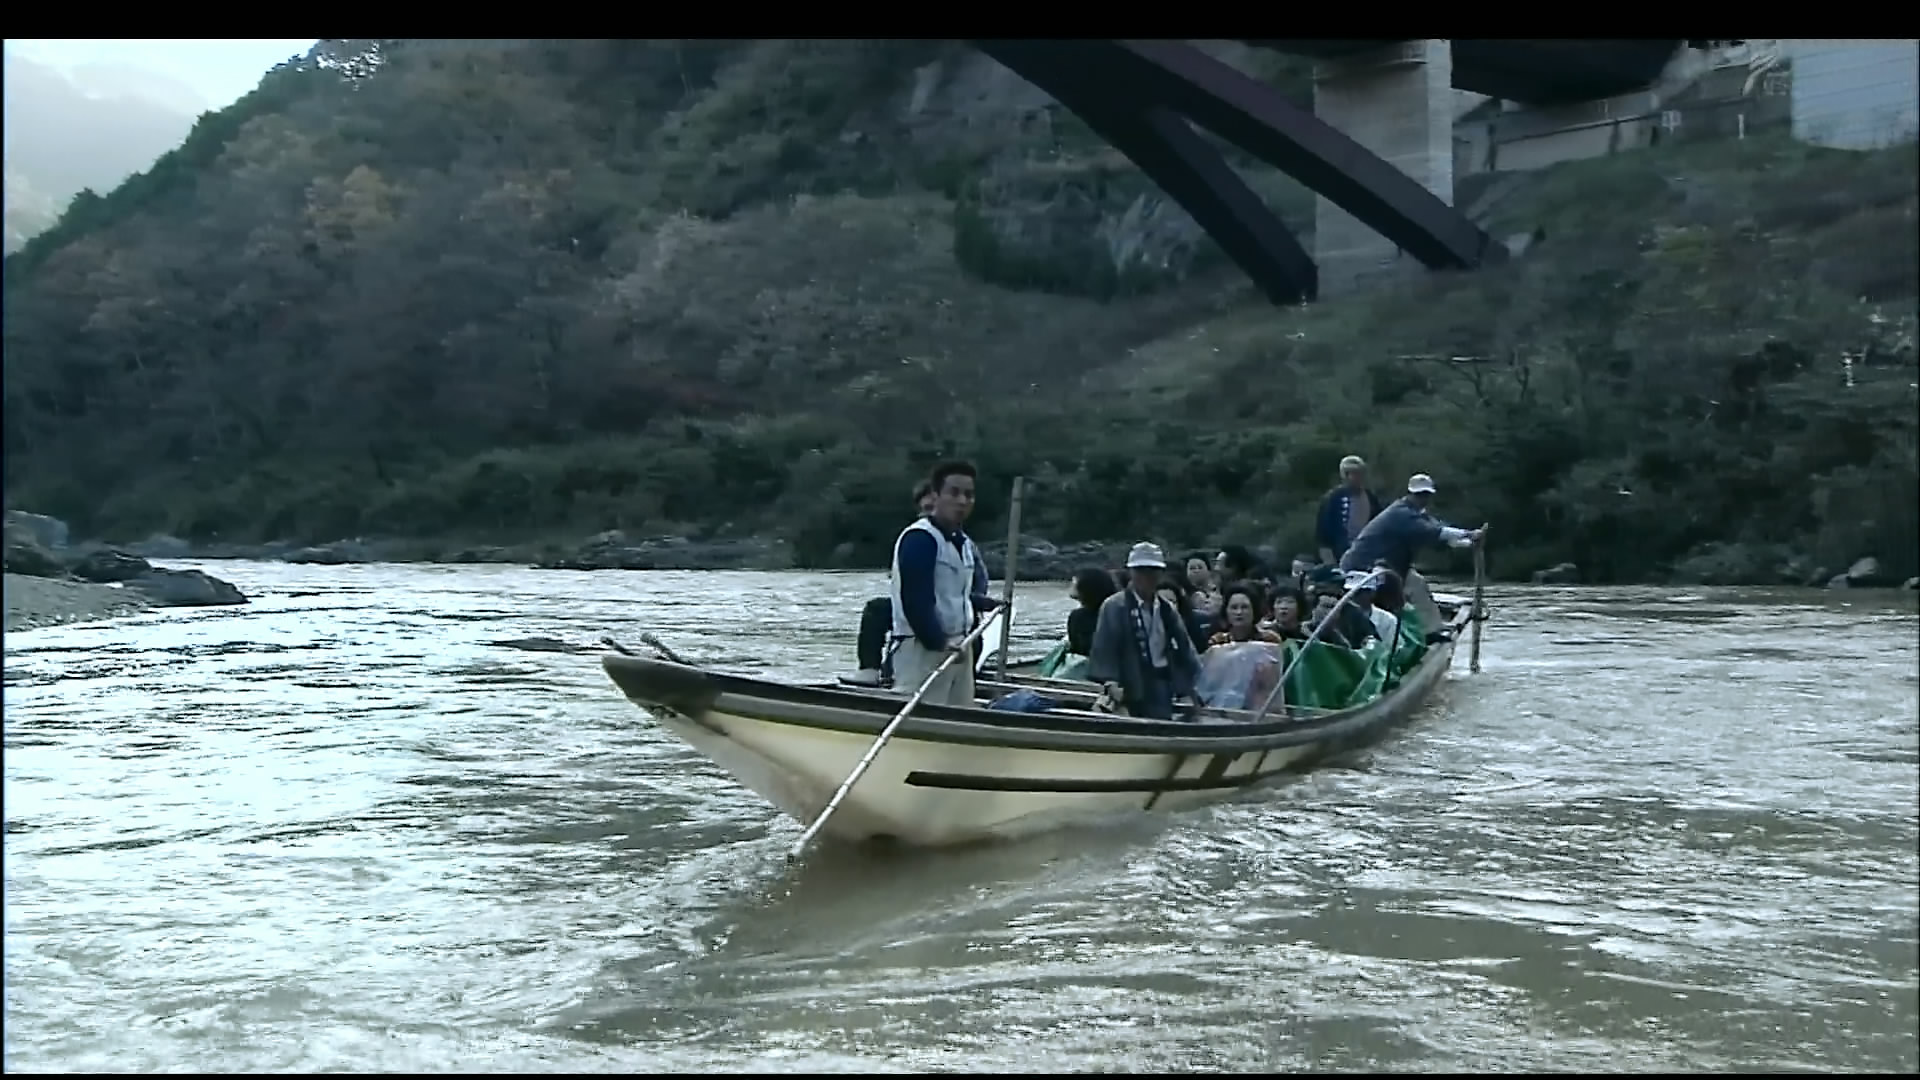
(934, 592)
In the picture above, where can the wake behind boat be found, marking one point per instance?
(958, 774)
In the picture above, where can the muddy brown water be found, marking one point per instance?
(338, 829)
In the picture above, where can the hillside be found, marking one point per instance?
(91, 130)
(503, 289)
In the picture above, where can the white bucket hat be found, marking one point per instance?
(1420, 484)
(1146, 556)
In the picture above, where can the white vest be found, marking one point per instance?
(953, 570)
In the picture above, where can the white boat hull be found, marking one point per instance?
(962, 775)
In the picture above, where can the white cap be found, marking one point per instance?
(1355, 577)
(1146, 556)
(1352, 461)
(1420, 483)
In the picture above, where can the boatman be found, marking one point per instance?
(1401, 530)
(1142, 654)
(935, 591)
(1345, 511)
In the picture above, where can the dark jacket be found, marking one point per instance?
(1115, 655)
(1080, 623)
(1393, 537)
(1332, 529)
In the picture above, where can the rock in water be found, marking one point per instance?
(185, 588)
(49, 532)
(106, 566)
(26, 555)
(1564, 573)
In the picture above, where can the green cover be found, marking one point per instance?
(1335, 677)
(1061, 664)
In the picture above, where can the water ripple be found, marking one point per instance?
(344, 829)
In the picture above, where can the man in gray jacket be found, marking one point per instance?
(1142, 653)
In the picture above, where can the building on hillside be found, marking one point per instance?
(1854, 94)
(1846, 93)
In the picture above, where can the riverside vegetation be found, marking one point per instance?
(472, 292)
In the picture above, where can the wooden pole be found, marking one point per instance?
(1479, 603)
(965, 646)
(1006, 587)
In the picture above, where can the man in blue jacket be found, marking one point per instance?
(1345, 511)
(938, 591)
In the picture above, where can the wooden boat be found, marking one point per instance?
(960, 774)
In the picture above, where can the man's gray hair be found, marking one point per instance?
(1352, 461)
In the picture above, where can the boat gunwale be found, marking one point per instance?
(974, 725)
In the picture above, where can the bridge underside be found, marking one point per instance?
(1532, 71)
(1140, 95)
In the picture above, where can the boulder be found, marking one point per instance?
(613, 550)
(1863, 574)
(1565, 573)
(484, 554)
(337, 553)
(48, 532)
(107, 565)
(1912, 583)
(185, 588)
(161, 546)
(1044, 561)
(26, 555)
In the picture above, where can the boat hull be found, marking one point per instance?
(954, 775)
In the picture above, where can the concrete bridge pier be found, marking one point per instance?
(1397, 101)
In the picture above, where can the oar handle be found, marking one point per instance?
(966, 644)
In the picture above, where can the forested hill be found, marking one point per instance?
(505, 289)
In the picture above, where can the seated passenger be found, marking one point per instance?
(1362, 583)
(1240, 620)
(1287, 616)
(1091, 587)
(1233, 564)
(1174, 590)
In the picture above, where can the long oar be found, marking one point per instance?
(1013, 554)
(966, 644)
(1479, 603)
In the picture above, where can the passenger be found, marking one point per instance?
(1303, 567)
(876, 618)
(1091, 587)
(1206, 597)
(1349, 628)
(1389, 593)
(1199, 570)
(1234, 563)
(1345, 510)
(1362, 583)
(935, 599)
(1142, 654)
(1398, 533)
(1287, 618)
(1240, 619)
(1174, 590)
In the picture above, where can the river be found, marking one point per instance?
(338, 829)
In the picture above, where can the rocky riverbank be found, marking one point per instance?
(1039, 559)
(34, 602)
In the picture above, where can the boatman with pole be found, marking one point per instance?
(1401, 530)
(934, 591)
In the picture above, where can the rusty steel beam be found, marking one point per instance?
(1258, 119)
(1172, 155)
